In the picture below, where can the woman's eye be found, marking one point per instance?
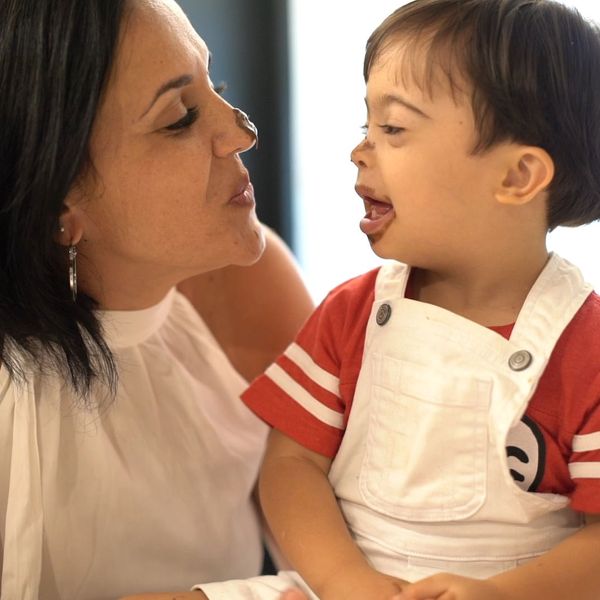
(188, 119)
(391, 130)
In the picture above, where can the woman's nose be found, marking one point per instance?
(237, 133)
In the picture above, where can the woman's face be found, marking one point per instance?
(168, 196)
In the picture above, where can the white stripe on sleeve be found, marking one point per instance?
(303, 398)
(302, 359)
(584, 470)
(587, 442)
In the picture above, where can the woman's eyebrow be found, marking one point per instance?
(176, 82)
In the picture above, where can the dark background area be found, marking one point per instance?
(249, 45)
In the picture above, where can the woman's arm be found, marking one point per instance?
(254, 312)
(302, 510)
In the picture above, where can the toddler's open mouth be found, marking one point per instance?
(378, 215)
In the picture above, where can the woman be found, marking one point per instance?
(127, 462)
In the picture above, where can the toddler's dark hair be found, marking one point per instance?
(534, 68)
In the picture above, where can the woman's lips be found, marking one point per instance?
(379, 215)
(245, 197)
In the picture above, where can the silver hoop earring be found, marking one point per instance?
(243, 122)
(73, 271)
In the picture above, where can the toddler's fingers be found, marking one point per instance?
(293, 594)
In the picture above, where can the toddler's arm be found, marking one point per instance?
(302, 511)
(571, 570)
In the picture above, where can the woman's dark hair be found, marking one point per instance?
(534, 69)
(55, 59)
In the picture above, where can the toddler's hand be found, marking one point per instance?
(362, 584)
(293, 594)
(451, 587)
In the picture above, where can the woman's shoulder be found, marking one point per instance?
(14, 386)
(254, 312)
(4, 381)
(9, 381)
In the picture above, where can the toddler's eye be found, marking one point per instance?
(186, 121)
(391, 130)
(365, 129)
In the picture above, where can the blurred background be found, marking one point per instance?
(295, 66)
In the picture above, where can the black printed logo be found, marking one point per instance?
(526, 451)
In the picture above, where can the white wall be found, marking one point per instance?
(328, 40)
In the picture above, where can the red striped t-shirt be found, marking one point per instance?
(307, 393)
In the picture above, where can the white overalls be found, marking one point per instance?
(422, 473)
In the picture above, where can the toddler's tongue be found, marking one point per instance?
(377, 218)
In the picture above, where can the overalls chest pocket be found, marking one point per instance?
(427, 440)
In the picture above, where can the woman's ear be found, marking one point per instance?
(70, 223)
(528, 171)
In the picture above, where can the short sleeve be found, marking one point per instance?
(584, 462)
(300, 394)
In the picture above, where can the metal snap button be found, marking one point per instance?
(384, 312)
(520, 360)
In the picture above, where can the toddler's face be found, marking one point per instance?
(429, 201)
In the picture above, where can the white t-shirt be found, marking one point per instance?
(151, 492)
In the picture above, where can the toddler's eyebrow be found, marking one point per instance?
(387, 99)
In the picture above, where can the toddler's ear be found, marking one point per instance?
(528, 171)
